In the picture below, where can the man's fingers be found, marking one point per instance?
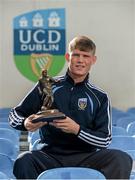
(32, 116)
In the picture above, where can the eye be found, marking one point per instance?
(86, 56)
(75, 55)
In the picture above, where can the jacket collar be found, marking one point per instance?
(69, 79)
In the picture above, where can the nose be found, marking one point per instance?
(80, 58)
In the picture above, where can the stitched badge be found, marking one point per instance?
(82, 103)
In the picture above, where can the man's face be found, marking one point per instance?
(80, 62)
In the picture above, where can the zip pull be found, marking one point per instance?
(72, 88)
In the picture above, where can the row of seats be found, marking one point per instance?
(6, 167)
(3, 176)
(129, 131)
(9, 145)
(122, 118)
(117, 132)
(11, 138)
(119, 118)
(71, 173)
(122, 131)
(7, 126)
(4, 112)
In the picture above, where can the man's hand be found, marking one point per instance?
(33, 126)
(66, 125)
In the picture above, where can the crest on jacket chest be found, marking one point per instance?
(82, 103)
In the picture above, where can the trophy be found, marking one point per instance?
(45, 88)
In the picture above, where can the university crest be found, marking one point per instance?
(39, 42)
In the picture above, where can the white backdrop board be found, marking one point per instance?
(111, 24)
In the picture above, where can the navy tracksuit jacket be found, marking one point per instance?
(83, 102)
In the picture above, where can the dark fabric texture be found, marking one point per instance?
(114, 164)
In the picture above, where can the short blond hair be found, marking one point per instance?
(82, 43)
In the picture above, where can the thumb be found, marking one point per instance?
(32, 116)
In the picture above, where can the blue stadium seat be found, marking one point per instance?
(4, 176)
(131, 153)
(34, 146)
(37, 145)
(132, 176)
(5, 110)
(119, 131)
(71, 173)
(3, 118)
(117, 114)
(131, 110)
(131, 129)
(6, 125)
(29, 136)
(125, 121)
(8, 147)
(124, 143)
(32, 137)
(4, 113)
(10, 135)
(6, 165)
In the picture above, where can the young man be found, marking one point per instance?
(82, 138)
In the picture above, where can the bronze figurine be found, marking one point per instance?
(45, 88)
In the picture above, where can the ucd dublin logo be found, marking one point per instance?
(39, 42)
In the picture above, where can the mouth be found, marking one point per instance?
(80, 66)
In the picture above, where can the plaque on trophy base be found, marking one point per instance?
(49, 116)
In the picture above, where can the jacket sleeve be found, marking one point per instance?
(31, 104)
(100, 134)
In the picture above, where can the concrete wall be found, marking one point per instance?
(110, 23)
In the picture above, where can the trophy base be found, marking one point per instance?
(49, 116)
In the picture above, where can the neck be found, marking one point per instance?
(76, 78)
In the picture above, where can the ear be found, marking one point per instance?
(94, 59)
(67, 56)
